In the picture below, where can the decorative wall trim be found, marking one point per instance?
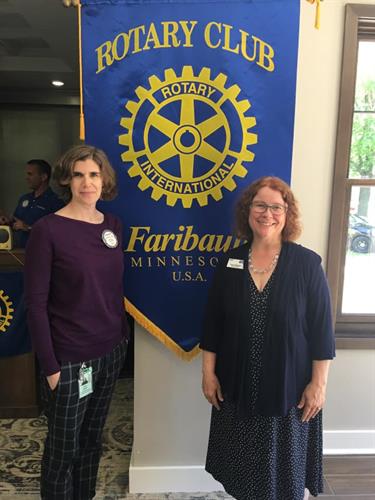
(38, 98)
(349, 442)
(185, 478)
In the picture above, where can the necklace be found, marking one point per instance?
(264, 270)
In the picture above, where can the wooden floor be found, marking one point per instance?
(346, 478)
(349, 477)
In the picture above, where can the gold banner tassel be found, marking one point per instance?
(81, 113)
(317, 12)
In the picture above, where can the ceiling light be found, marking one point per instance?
(57, 83)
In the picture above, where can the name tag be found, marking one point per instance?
(85, 381)
(235, 263)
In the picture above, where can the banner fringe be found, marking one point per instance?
(159, 334)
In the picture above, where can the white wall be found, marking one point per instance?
(171, 421)
(351, 394)
(171, 417)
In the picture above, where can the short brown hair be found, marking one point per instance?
(62, 173)
(43, 167)
(292, 228)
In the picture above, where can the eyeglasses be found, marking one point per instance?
(276, 209)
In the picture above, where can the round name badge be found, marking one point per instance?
(109, 238)
(25, 203)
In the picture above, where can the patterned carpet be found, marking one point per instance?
(21, 446)
(150, 496)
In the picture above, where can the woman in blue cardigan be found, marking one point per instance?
(267, 345)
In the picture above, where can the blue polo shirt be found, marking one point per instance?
(30, 209)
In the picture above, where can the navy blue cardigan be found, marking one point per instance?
(299, 328)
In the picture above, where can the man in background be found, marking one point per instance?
(32, 206)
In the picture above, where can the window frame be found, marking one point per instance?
(352, 330)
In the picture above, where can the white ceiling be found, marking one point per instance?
(38, 44)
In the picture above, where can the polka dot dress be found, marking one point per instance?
(264, 458)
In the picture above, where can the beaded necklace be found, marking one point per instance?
(264, 270)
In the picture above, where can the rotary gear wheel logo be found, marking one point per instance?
(187, 136)
(5, 311)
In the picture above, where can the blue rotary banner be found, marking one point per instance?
(192, 101)
(14, 337)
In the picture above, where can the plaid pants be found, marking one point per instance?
(73, 445)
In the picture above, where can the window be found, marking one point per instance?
(351, 255)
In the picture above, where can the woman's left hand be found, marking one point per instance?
(312, 400)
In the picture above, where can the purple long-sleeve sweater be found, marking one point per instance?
(74, 290)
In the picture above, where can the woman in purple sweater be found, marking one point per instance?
(74, 296)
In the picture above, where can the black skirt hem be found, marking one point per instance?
(314, 491)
